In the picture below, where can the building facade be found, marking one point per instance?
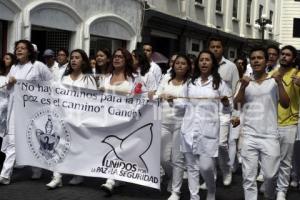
(289, 32)
(88, 24)
(186, 25)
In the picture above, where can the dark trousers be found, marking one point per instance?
(297, 158)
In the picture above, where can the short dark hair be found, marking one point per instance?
(66, 51)
(260, 48)
(218, 39)
(273, 46)
(149, 44)
(29, 46)
(292, 49)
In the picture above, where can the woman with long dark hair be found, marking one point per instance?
(78, 75)
(8, 61)
(121, 79)
(207, 97)
(24, 69)
(170, 87)
(103, 59)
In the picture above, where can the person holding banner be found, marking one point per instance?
(121, 80)
(23, 70)
(171, 87)
(205, 94)
(79, 76)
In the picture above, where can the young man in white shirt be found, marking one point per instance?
(155, 69)
(229, 73)
(258, 96)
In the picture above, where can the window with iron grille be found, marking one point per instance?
(249, 2)
(98, 42)
(57, 39)
(219, 5)
(235, 8)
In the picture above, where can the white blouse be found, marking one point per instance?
(124, 86)
(172, 113)
(83, 81)
(201, 122)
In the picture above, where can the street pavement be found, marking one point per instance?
(22, 188)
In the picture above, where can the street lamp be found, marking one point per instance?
(263, 23)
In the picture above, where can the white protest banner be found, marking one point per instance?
(87, 133)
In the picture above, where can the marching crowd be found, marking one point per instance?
(214, 112)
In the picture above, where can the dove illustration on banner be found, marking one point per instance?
(131, 148)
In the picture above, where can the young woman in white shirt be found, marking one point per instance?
(173, 86)
(207, 97)
(24, 69)
(78, 75)
(103, 59)
(120, 80)
(8, 61)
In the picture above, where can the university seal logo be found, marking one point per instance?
(48, 138)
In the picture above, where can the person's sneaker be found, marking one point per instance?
(107, 188)
(294, 184)
(227, 179)
(54, 183)
(76, 180)
(174, 196)
(36, 174)
(203, 186)
(280, 196)
(4, 181)
(260, 178)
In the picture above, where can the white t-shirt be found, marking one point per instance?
(124, 86)
(148, 81)
(83, 81)
(230, 75)
(260, 109)
(55, 70)
(172, 113)
(155, 69)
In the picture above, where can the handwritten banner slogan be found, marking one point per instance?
(88, 133)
